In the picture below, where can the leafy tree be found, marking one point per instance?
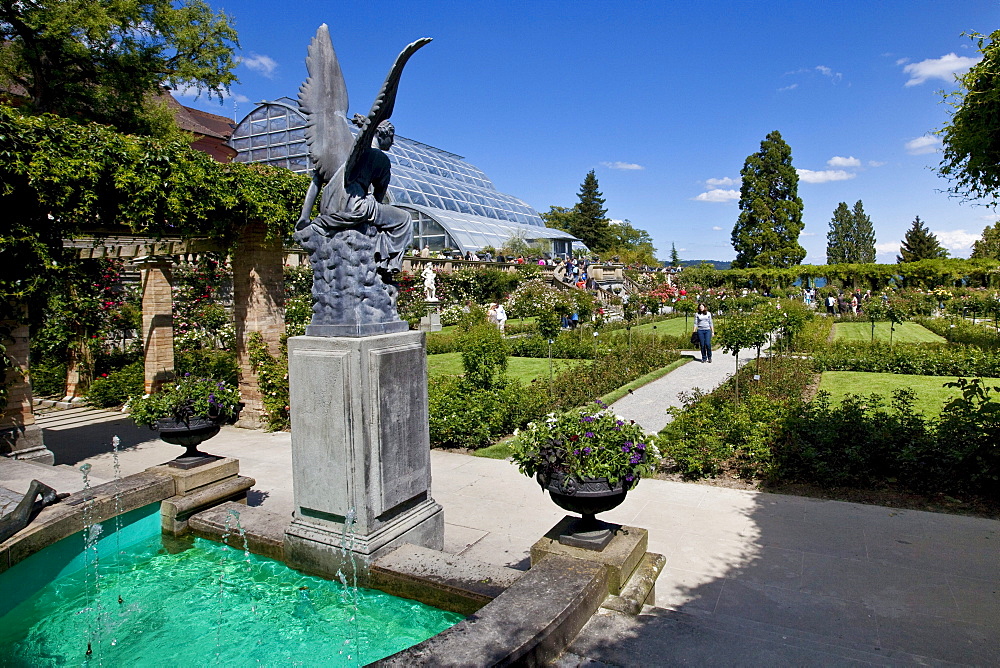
(632, 245)
(971, 139)
(920, 244)
(675, 259)
(590, 224)
(851, 237)
(559, 218)
(767, 231)
(107, 60)
(989, 245)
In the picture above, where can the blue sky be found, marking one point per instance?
(664, 100)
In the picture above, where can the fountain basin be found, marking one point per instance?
(139, 598)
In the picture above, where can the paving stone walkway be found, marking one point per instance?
(750, 579)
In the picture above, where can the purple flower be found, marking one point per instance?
(641, 446)
(589, 434)
(625, 448)
(629, 478)
(587, 418)
(576, 452)
(619, 423)
(587, 451)
(636, 458)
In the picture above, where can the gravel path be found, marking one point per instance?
(648, 404)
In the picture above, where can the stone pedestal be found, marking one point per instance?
(432, 321)
(199, 488)
(20, 436)
(620, 557)
(360, 451)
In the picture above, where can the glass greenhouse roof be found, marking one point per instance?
(424, 178)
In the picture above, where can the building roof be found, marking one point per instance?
(435, 182)
(197, 121)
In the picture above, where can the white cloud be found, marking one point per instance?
(838, 161)
(716, 228)
(261, 64)
(718, 195)
(902, 61)
(791, 87)
(724, 181)
(808, 234)
(888, 248)
(944, 68)
(956, 239)
(875, 163)
(827, 72)
(921, 145)
(824, 176)
(622, 165)
(192, 92)
(991, 217)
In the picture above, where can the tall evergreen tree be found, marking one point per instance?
(766, 234)
(838, 235)
(590, 224)
(864, 235)
(989, 245)
(675, 259)
(919, 244)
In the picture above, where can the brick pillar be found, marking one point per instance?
(20, 437)
(157, 320)
(258, 306)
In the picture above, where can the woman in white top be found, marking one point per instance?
(501, 317)
(705, 329)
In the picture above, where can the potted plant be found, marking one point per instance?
(187, 410)
(588, 460)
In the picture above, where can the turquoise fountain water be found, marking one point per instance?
(192, 603)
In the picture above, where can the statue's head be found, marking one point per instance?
(384, 135)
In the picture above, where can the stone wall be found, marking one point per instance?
(20, 437)
(157, 321)
(258, 306)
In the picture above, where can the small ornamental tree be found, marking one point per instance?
(743, 331)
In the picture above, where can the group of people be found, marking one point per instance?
(850, 303)
(497, 315)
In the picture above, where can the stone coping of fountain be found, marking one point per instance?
(531, 623)
(100, 503)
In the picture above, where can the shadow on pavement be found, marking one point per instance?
(73, 445)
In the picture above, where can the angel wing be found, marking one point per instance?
(381, 108)
(323, 100)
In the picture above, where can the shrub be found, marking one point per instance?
(114, 388)
(210, 363)
(963, 332)
(462, 416)
(927, 359)
(272, 379)
(48, 378)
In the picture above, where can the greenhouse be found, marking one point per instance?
(453, 203)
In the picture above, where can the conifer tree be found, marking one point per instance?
(590, 224)
(675, 259)
(837, 237)
(864, 236)
(767, 231)
(920, 244)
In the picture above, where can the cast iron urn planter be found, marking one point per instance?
(588, 497)
(191, 432)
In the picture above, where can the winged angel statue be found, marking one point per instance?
(356, 243)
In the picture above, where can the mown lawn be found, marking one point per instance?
(672, 327)
(930, 390)
(907, 332)
(525, 369)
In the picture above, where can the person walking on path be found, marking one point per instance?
(501, 316)
(704, 327)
